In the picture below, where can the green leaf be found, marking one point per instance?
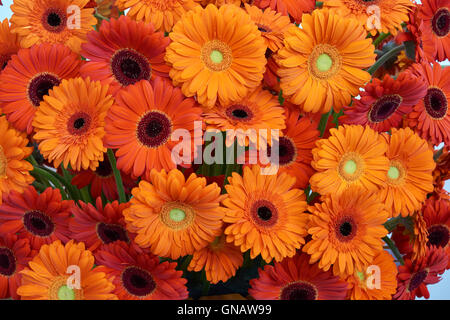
(410, 49)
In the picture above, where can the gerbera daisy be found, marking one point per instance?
(42, 218)
(435, 29)
(40, 21)
(14, 169)
(346, 231)
(352, 155)
(272, 25)
(295, 279)
(69, 123)
(219, 259)
(414, 276)
(9, 44)
(29, 76)
(141, 122)
(430, 118)
(293, 8)
(266, 214)
(14, 256)
(99, 225)
(322, 67)
(212, 63)
(362, 287)
(244, 118)
(47, 275)
(124, 52)
(409, 178)
(140, 276)
(436, 213)
(419, 245)
(173, 216)
(384, 15)
(384, 103)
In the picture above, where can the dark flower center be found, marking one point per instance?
(440, 23)
(239, 112)
(384, 107)
(346, 229)
(263, 28)
(154, 129)
(138, 282)
(438, 235)
(264, 213)
(287, 151)
(38, 223)
(436, 103)
(4, 59)
(417, 279)
(7, 262)
(79, 123)
(40, 87)
(129, 67)
(54, 20)
(299, 291)
(111, 232)
(104, 169)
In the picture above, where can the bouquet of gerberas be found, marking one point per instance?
(269, 149)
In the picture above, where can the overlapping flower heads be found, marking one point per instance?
(173, 149)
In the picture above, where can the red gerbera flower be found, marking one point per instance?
(430, 117)
(384, 103)
(295, 279)
(42, 218)
(413, 277)
(293, 8)
(140, 276)
(124, 52)
(99, 225)
(14, 256)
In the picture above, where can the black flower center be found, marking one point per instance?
(436, 103)
(54, 20)
(417, 279)
(38, 223)
(129, 67)
(79, 123)
(264, 213)
(40, 87)
(111, 232)
(440, 23)
(287, 151)
(104, 169)
(154, 129)
(299, 291)
(438, 235)
(239, 112)
(7, 262)
(346, 229)
(138, 282)
(384, 107)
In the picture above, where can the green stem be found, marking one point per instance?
(384, 58)
(380, 38)
(394, 249)
(117, 176)
(43, 173)
(100, 17)
(324, 121)
(85, 195)
(73, 191)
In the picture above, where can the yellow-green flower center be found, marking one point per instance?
(324, 62)
(177, 215)
(350, 167)
(216, 56)
(393, 173)
(65, 293)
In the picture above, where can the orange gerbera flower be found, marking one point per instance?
(381, 15)
(52, 21)
(173, 216)
(69, 123)
(9, 44)
(219, 259)
(14, 254)
(140, 276)
(272, 25)
(295, 279)
(42, 218)
(260, 110)
(141, 123)
(98, 225)
(322, 67)
(29, 76)
(431, 116)
(47, 275)
(210, 62)
(346, 231)
(352, 155)
(14, 169)
(162, 14)
(293, 8)
(435, 29)
(265, 213)
(409, 178)
(124, 52)
(384, 103)
(364, 288)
